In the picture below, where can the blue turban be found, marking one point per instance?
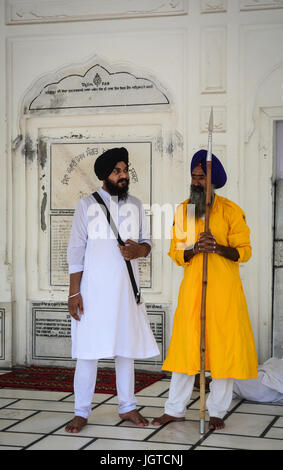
(105, 164)
(218, 174)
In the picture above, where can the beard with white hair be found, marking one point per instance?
(198, 198)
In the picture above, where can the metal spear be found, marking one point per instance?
(204, 276)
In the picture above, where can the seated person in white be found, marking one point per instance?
(267, 388)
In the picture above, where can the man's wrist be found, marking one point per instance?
(144, 250)
(188, 254)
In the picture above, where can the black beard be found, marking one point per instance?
(198, 198)
(115, 190)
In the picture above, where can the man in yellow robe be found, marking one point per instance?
(230, 348)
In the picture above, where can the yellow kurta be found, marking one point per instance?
(230, 348)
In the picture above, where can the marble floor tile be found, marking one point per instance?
(10, 448)
(18, 439)
(43, 422)
(132, 425)
(105, 414)
(279, 423)
(154, 390)
(6, 402)
(34, 394)
(246, 424)
(261, 408)
(196, 404)
(60, 443)
(203, 447)
(4, 423)
(242, 442)
(97, 398)
(152, 411)
(112, 432)
(184, 432)
(106, 444)
(7, 413)
(43, 405)
(155, 412)
(144, 401)
(275, 433)
(193, 415)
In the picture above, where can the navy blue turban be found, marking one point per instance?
(105, 164)
(218, 174)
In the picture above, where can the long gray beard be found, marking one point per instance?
(198, 198)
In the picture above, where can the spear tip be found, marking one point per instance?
(210, 125)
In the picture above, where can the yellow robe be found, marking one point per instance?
(230, 348)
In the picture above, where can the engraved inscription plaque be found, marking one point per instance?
(72, 177)
(51, 332)
(98, 88)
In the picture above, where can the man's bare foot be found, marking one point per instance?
(76, 424)
(165, 419)
(135, 417)
(216, 424)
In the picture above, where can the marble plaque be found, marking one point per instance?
(72, 177)
(158, 314)
(60, 227)
(51, 332)
(98, 88)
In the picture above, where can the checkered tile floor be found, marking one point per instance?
(35, 420)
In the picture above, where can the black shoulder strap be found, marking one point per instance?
(100, 201)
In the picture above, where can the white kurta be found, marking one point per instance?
(112, 324)
(268, 387)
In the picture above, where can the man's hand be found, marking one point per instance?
(206, 243)
(134, 250)
(75, 305)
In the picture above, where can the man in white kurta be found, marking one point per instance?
(107, 321)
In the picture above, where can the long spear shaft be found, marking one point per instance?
(204, 276)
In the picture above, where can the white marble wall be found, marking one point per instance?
(225, 53)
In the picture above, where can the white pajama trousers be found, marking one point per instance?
(85, 381)
(181, 387)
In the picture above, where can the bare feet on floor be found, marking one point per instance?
(216, 424)
(164, 419)
(135, 417)
(76, 424)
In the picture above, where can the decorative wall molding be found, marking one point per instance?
(246, 5)
(2, 334)
(50, 11)
(213, 60)
(213, 6)
(219, 118)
